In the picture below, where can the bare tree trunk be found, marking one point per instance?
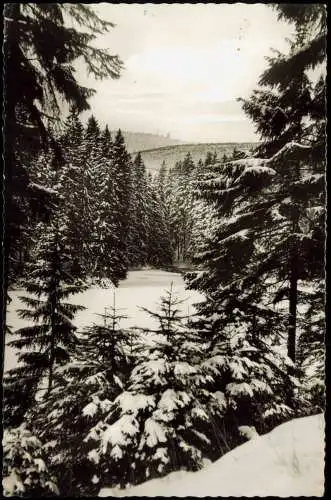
(293, 294)
(293, 303)
(54, 305)
(13, 12)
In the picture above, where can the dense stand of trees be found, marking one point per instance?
(41, 43)
(112, 210)
(183, 212)
(108, 406)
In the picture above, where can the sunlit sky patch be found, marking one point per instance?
(185, 65)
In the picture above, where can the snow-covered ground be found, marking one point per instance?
(140, 289)
(289, 461)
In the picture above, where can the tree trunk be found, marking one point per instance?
(293, 303)
(54, 306)
(10, 34)
(293, 294)
(50, 374)
(52, 347)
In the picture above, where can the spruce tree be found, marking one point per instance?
(161, 181)
(109, 262)
(46, 343)
(200, 166)
(72, 135)
(164, 419)
(122, 172)
(159, 244)
(269, 238)
(289, 111)
(185, 205)
(204, 214)
(81, 398)
(208, 159)
(224, 158)
(169, 208)
(73, 188)
(25, 472)
(179, 200)
(91, 199)
(90, 179)
(311, 351)
(256, 377)
(39, 51)
(138, 232)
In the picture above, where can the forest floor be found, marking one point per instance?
(142, 288)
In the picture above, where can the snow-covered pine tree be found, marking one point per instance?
(80, 400)
(165, 419)
(108, 262)
(289, 110)
(255, 375)
(271, 210)
(200, 166)
(169, 207)
(25, 472)
(73, 133)
(40, 48)
(93, 149)
(91, 199)
(160, 251)
(171, 195)
(179, 198)
(111, 265)
(123, 177)
(42, 200)
(161, 181)
(238, 324)
(92, 179)
(209, 159)
(311, 351)
(203, 212)
(188, 172)
(241, 284)
(163, 186)
(45, 344)
(73, 189)
(138, 232)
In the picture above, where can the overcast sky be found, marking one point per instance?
(185, 65)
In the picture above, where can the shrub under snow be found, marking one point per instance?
(25, 472)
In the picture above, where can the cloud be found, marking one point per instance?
(185, 64)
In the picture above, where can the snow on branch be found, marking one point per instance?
(37, 188)
(291, 150)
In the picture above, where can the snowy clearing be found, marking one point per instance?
(289, 461)
(141, 289)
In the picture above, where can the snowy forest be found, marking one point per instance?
(106, 405)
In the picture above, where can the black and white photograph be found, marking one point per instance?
(164, 249)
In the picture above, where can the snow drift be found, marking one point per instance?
(289, 461)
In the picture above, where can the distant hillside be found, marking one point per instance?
(136, 141)
(153, 158)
